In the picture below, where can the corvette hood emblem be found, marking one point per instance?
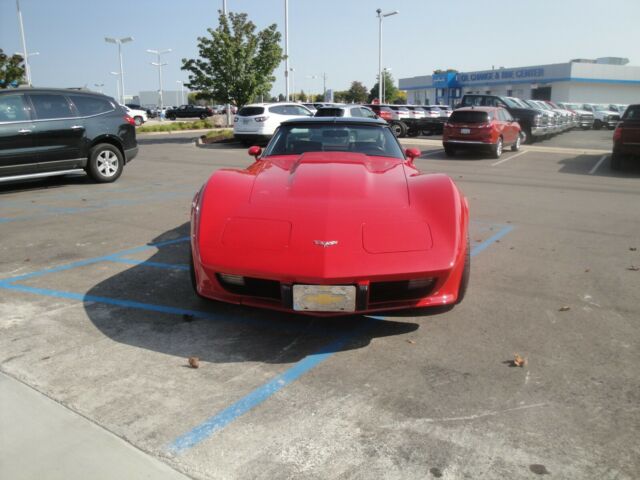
(325, 243)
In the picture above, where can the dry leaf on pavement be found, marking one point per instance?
(519, 361)
(194, 362)
(564, 309)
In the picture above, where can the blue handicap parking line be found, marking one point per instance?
(217, 422)
(147, 263)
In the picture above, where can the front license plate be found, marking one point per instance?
(245, 121)
(324, 298)
(465, 131)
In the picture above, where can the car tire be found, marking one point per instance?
(105, 163)
(203, 116)
(138, 120)
(527, 138)
(496, 151)
(516, 146)
(171, 117)
(397, 129)
(616, 161)
(466, 273)
(449, 151)
(597, 125)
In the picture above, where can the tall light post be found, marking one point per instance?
(286, 49)
(25, 55)
(228, 107)
(293, 88)
(181, 83)
(159, 64)
(117, 83)
(119, 42)
(380, 81)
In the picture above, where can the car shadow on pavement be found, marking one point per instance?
(214, 331)
(47, 183)
(583, 165)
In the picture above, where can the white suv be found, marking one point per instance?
(139, 116)
(258, 122)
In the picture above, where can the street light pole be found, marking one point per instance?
(159, 64)
(228, 108)
(380, 79)
(286, 48)
(119, 42)
(27, 68)
(117, 83)
(293, 88)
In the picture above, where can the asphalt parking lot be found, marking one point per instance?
(97, 313)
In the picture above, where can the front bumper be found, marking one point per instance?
(130, 154)
(537, 131)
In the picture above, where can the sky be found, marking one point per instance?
(336, 37)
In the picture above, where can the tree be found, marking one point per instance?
(390, 90)
(235, 63)
(301, 96)
(11, 70)
(340, 96)
(357, 93)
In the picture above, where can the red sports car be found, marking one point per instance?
(332, 218)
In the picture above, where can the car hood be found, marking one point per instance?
(331, 178)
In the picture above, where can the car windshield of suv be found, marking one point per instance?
(373, 140)
(330, 112)
(601, 108)
(632, 112)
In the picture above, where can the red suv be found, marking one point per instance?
(626, 138)
(484, 128)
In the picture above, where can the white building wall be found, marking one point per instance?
(603, 92)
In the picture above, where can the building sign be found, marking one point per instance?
(502, 74)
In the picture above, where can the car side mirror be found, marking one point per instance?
(412, 154)
(255, 151)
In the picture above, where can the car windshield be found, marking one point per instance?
(601, 108)
(373, 140)
(511, 102)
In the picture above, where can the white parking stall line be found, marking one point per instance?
(509, 158)
(597, 165)
(429, 152)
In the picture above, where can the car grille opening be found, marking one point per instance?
(254, 287)
(380, 292)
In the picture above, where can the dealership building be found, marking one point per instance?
(604, 80)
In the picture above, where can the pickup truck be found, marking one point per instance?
(530, 120)
(602, 116)
(189, 111)
(626, 138)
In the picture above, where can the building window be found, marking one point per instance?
(509, 93)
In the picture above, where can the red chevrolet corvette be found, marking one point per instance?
(332, 218)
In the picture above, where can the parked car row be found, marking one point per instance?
(600, 115)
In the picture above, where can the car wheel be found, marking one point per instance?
(449, 151)
(466, 273)
(497, 149)
(105, 163)
(597, 125)
(138, 120)
(526, 136)
(397, 129)
(202, 116)
(616, 161)
(516, 146)
(171, 117)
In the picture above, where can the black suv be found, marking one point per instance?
(189, 111)
(46, 132)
